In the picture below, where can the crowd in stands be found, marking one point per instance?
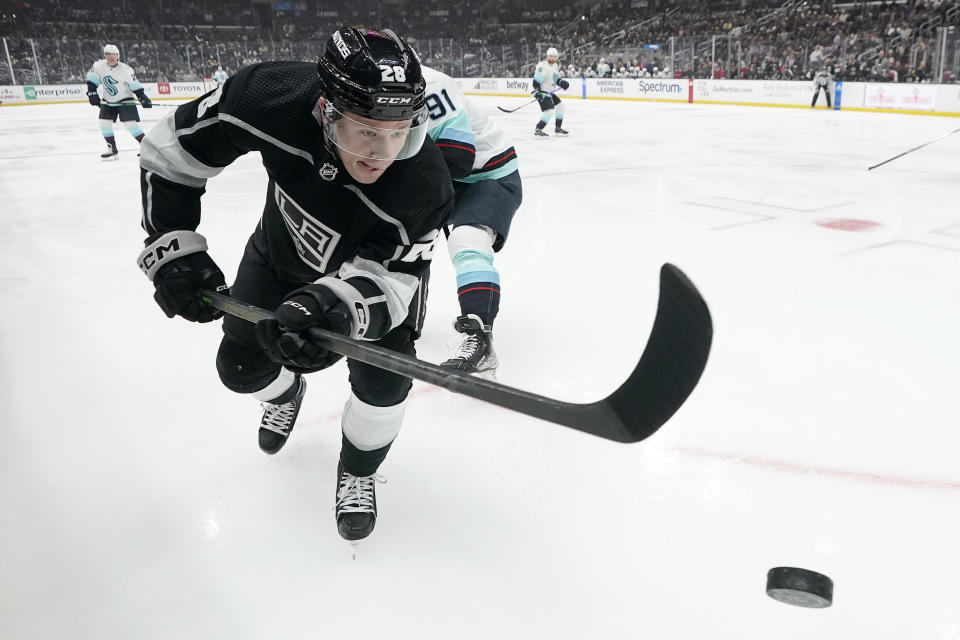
(55, 41)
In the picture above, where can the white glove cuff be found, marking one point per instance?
(170, 246)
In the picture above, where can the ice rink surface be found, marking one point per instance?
(825, 433)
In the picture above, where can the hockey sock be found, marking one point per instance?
(360, 462)
(106, 128)
(559, 123)
(478, 283)
(135, 130)
(368, 432)
(281, 385)
(542, 123)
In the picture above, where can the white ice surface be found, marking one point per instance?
(134, 502)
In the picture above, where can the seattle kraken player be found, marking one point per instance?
(356, 197)
(545, 79)
(220, 76)
(483, 164)
(112, 85)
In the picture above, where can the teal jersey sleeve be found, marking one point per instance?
(455, 139)
(538, 75)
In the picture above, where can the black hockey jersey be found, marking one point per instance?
(370, 243)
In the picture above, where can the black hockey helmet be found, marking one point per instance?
(374, 74)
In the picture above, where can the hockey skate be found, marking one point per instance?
(541, 133)
(476, 354)
(111, 153)
(356, 505)
(560, 131)
(279, 417)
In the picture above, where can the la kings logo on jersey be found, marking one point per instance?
(328, 172)
(315, 241)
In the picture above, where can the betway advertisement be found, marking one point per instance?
(497, 86)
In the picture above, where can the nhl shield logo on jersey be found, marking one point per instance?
(328, 172)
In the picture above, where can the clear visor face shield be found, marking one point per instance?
(383, 140)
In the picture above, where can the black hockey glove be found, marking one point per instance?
(179, 266)
(564, 84)
(286, 337)
(144, 100)
(94, 98)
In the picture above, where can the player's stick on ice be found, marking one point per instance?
(900, 155)
(669, 369)
(524, 104)
(153, 104)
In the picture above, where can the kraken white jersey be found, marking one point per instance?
(547, 75)
(473, 146)
(114, 84)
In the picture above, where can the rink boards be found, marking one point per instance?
(925, 99)
(67, 93)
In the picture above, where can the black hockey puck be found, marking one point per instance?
(800, 587)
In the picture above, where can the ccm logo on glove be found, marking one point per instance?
(299, 307)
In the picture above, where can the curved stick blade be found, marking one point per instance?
(671, 365)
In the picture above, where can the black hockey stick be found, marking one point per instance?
(152, 104)
(900, 155)
(669, 369)
(525, 103)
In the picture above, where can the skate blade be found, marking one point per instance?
(489, 374)
(354, 548)
(111, 158)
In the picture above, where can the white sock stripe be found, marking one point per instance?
(471, 238)
(368, 427)
(284, 381)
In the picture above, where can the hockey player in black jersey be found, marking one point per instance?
(355, 199)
